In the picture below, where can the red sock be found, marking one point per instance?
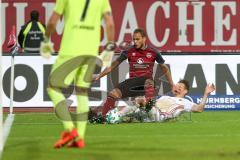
(108, 105)
(149, 92)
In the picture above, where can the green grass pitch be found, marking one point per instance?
(209, 136)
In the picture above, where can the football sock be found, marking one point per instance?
(108, 105)
(82, 111)
(149, 92)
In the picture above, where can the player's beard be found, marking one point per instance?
(142, 46)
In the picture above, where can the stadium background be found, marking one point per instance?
(205, 48)
(198, 39)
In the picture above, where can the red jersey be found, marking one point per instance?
(141, 62)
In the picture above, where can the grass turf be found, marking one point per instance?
(210, 135)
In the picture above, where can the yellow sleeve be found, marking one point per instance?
(59, 6)
(106, 7)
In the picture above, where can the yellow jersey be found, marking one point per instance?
(82, 25)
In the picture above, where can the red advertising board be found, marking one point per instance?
(171, 26)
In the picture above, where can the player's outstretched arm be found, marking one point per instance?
(107, 70)
(167, 73)
(200, 107)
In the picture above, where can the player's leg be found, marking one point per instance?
(59, 101)
(149, 89)
(82, 116)
(57, 97)
(83, 82)
(140, 101)
(55, 89)
(122, 90)
(98, 115)
(154, 115)
(128, 88)
(112, 97)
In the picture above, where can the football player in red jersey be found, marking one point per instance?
(141, 58)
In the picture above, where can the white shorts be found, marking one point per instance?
(158, 116)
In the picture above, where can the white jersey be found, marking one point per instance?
(165, 103)
(167, 107)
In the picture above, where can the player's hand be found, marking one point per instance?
(209, 88)
(46, 48)
(107, 54)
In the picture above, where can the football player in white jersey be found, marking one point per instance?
(168, 107)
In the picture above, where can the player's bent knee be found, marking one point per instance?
(149, 82)
(115, 93)
(140, 100)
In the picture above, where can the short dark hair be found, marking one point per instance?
(185, 82)
(34, 15)
(141, 31)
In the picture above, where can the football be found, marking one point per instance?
(113, 116)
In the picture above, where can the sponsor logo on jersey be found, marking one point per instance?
(133, 54)
(140, 61)
(149, 55)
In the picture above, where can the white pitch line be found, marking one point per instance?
(7, 127)
(6, 130)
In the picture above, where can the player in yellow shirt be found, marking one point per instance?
(76, 60)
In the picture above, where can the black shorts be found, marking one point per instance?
(132, 87)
